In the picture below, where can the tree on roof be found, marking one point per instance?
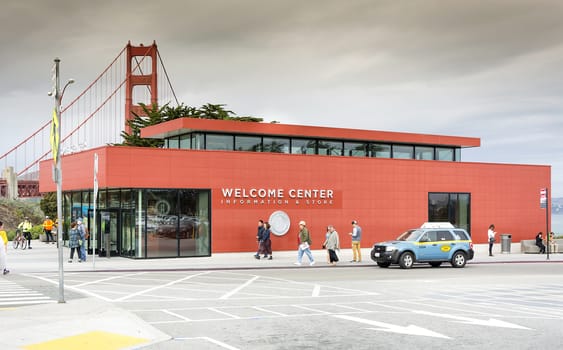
(155, 115)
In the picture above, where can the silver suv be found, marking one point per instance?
(432, 243)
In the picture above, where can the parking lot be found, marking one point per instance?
(500, 305)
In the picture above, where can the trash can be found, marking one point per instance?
(505, 242)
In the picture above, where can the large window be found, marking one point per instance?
(355, 149)
(248, 143)
(276, 144)
(219, 142)
(454, 208)
(403, 151)
(380, 150)
(303, 146)
(329, 148)
(423, 153)
(443, 153)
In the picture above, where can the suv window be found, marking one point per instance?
(429, 236)
(461, 235)
(445, 236)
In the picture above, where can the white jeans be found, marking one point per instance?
(2, 255)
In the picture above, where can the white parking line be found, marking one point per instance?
(176, 315)
(234, 291)
(211, 340)
(223, 313)
(160, 287)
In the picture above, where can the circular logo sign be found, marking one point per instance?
(279, 222)
(445, 248)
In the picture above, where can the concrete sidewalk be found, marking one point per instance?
(90, 323)
(44, 258)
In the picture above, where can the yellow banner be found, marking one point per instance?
(55, 136)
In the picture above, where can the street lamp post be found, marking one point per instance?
(56, 147)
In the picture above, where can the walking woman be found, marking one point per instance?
(332, 244)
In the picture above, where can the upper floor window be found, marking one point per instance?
(403, 151)
(275, 144)
(219, 142)
(303, 146)
(248, 143)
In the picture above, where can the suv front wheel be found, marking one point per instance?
(459, 259)
(406, 260)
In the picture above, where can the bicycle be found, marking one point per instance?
(19, 240)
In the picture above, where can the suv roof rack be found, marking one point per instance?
(437, 225)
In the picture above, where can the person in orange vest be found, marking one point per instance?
(47, 228)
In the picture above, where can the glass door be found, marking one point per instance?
(108, 235)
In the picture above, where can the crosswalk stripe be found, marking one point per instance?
(13, 294)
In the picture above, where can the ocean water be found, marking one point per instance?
(557, 224)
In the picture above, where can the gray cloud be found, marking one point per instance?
(484, 69)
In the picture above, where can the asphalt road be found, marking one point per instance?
(492, 306)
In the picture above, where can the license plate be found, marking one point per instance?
(376, 255)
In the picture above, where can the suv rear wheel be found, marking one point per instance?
(406, 260)
(459, 259)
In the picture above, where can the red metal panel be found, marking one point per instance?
(386, 196)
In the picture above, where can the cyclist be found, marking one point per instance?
(3, 249)
(26, 227)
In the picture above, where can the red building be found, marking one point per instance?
(205, 191)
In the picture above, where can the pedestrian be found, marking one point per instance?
(3, 250)
(539, 242)
(356, 238)
(47, 229)
(83, 237)
(267, 242)
(26, 227)
(553, 246)
(324, 245)
(332, 244)
(491, 236)
(259, 235)
(74, 240)
(304, 240)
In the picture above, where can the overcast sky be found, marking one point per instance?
(487, 69)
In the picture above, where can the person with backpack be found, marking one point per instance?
(74, 241)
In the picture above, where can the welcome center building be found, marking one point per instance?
(214, 179)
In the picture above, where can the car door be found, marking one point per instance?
(445, 244)
(427, 247)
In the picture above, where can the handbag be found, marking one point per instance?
(492, 240)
